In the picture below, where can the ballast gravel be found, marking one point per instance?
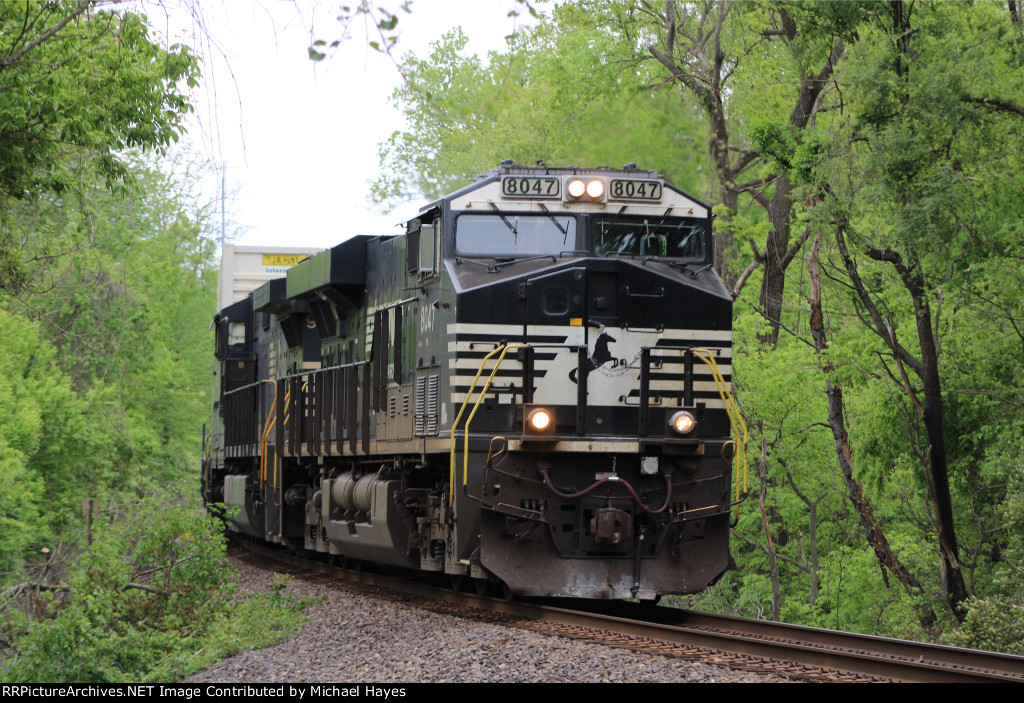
(354, 637)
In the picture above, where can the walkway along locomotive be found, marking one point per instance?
(530, 388)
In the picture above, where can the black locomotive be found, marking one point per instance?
(530, 388)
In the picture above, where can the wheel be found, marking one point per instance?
(507, 593)
(458, 581)
(483, 586)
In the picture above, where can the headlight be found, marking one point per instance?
(682, 422)
(578, 188)
(539, 420)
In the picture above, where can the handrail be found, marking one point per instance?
(297, 374)
(287, 412)
(465, 430)
(735, 418)
(268, 425)
(739, 426)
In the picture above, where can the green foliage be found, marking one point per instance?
(127, 302)
(47, 442)
(116, 88)
(793, 151)
(104, 273)
(991, 624)
(562, 93)
(149, 600)
(80, 87)
(379, 18)
(995, 620)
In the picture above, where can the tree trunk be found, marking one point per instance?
(936, 470)
(812, 535)
(769, 545)
(873, 531)
(774, 281)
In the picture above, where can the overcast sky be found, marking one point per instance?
(300, 138)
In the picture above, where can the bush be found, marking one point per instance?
(992, 624)
(152, 599)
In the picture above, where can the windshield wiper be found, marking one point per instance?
(499, 263)
(461, 260)
(563, 230)
(679, 265)
(515, 234)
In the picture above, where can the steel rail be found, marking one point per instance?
(867, 655)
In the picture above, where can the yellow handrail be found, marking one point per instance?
(271, 420)
(735, 419)
(469, 394)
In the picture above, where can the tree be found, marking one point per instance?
(873, 528)
(910, 157)
(563, 93)
(80, 82)
(706, 48)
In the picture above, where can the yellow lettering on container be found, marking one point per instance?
(282, 259)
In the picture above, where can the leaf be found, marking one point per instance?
(316, 55)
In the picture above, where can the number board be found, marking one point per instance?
(634, 189)
(530, 187)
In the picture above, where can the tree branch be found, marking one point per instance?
(876, 322)
(1000, 105)
(783, 557)
(83, 5)
(143, 587)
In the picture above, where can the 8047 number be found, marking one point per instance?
(634, 189)
(530, 187)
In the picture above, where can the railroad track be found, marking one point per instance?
(802, 653)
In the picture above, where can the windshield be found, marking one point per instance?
(649, 236)
(500, 234)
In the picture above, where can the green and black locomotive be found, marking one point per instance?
(530, 388)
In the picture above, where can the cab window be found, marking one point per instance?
(676, 238)
(501, 234)
(236, 335)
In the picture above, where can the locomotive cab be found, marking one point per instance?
(610, 479)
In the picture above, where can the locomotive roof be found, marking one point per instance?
(510, 168)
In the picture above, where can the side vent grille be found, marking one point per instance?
(433, 384)
(425, 420)
(418, 420)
